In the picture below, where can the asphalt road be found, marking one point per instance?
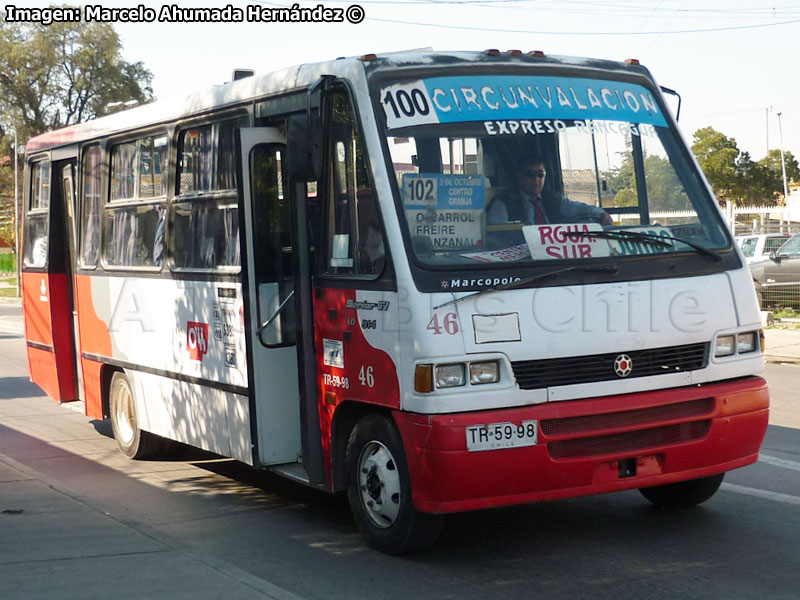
(197, 526)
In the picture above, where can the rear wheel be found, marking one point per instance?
(132, 441)
(379, 490)
(684, 493)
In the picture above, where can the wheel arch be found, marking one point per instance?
(106, 375)
(347, 414)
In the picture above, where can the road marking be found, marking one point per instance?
(779, 462)
(748, 491)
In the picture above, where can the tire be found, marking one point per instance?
(379, 490)
(684, 493)
(132, 441)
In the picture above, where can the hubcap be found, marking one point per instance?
(124, 414)
(379, 483)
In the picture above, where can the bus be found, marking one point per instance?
(322, 272)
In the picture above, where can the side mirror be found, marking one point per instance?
(305, 134)
(775, 257)
(675, 94)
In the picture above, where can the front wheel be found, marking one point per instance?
(132, 441)
(684, 493)
(379, 490)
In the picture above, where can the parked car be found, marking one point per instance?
(757, 247)
(777, 279)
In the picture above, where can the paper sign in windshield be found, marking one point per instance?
(445, 209)
(547, 242)
(661, 244)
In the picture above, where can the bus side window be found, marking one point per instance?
(353, 234)
(90, 212)
(205, 213)
(134, 217)
(37, 219)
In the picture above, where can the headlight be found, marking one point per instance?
(484, 372)
(448, 376)
(726, 345)
(739, 343)
(746, 342)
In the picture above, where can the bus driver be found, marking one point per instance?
(530, 204)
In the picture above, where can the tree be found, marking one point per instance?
(718, 156)
(752, 182)
(58, 75)
(664, 189)
(773, 174)
(64, 73)
(7, 222)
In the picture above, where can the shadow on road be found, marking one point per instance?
(13, 388)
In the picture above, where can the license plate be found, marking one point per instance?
(497, 436)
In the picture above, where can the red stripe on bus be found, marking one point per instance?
(369, 374)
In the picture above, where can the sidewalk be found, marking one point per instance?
(11, 324)
(56, 544)
(78, 520)
(783, 345)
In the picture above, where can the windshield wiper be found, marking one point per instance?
(604, 268)
(647, 238)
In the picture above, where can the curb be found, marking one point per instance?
(782, 360)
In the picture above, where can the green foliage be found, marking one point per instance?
(717, 155)
(7, 224)
(735, 176)
(65, 73)
(53, 76)
(7, 265)
(664, 189)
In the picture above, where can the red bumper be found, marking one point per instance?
(671, 435)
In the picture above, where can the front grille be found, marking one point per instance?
(629, 441)
(534, 374)
(627, 418)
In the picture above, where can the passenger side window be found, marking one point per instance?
(353, 233)
(135, 216)
(791, 248)
(37, 217)
(90, 213)
(205, 214)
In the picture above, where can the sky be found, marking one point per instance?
(734, 62)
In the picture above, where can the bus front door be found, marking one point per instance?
(270, 316)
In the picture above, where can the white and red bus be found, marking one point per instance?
(304, 271)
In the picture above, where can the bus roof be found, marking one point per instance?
(260, 85)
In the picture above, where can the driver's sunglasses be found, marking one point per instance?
(531, 174)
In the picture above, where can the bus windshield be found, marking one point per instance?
(492, 170)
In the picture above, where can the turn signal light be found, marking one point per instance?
(423, 379)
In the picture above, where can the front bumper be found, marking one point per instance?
(587, 446)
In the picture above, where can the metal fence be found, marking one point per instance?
(776, 273)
